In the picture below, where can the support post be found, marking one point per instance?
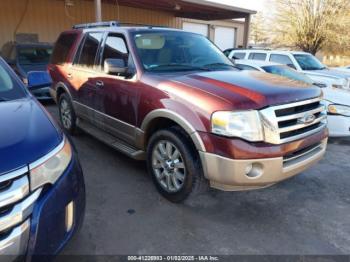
(247, 21)
(98, 11)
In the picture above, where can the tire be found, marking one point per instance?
(176, 174)
(67, 114)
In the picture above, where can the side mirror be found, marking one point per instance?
(38, 79)
(114, 66)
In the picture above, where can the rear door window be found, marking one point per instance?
(257, 56)
(282, 59)
(238, 55)
(62, 48)
(89, 50)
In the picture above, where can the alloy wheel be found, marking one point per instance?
(66, 114)
(168, 166)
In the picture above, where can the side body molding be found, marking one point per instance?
(165, 113)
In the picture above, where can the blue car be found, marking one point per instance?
(42, 192)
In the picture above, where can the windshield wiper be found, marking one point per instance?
(212, 66)
(4, 99)
(183, 67)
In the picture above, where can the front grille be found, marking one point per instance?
(16, 205)
(290, 122)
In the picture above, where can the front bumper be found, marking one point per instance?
(234, 175)
(338, 126)
(43, 229)
(42, 93)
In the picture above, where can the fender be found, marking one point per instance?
(181, 121)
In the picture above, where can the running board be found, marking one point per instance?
(111, 140)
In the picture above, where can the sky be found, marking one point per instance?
(258, 5)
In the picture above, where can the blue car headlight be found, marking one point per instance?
(49, 168)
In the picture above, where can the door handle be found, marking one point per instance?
(69, 75)
(99, 83)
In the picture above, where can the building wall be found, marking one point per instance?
(238, 25)
(50, 17)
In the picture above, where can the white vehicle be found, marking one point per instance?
(336, 100)
(300, 61)
(345, 68)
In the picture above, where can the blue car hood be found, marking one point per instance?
(27, 133)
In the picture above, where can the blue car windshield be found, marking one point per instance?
(169, 51)
(10, 87)
(34, 55)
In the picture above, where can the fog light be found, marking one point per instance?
(69, 216)
(255, 170)
(248, 168)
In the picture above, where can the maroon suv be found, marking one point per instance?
(174, 99)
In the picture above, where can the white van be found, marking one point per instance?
(300, 61)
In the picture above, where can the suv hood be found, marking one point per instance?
(26, 134)
(249, 89)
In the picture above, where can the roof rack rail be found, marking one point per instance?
(145, 25)
(97, 24)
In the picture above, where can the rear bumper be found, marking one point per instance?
(338, 126)
(53, 94)
(233, 175)
(42, 93)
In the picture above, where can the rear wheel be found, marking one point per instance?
(174, 165)
(67, 114)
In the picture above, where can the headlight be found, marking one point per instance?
(244, 124)
(339, 110)
(338, 86)
(49, 168)
(344, 84)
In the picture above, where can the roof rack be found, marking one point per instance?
(97, 24)
(144, 25)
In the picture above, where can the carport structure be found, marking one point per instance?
(47, 18)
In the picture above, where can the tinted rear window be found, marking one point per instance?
(62, 48)
(257, 56)
(238, 55)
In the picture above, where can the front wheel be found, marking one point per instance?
(174, 165)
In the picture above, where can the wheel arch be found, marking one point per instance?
(61, 88)
(162, 117)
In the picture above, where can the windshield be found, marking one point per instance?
(10, 88)
(34, 55)
(287, 72)
(178, 51)
(309, 62)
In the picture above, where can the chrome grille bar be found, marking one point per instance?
(299, 126)
(275, 120)
(299, 115)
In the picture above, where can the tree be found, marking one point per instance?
(258, 31)
(312, 25)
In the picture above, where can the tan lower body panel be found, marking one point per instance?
(236, 175)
